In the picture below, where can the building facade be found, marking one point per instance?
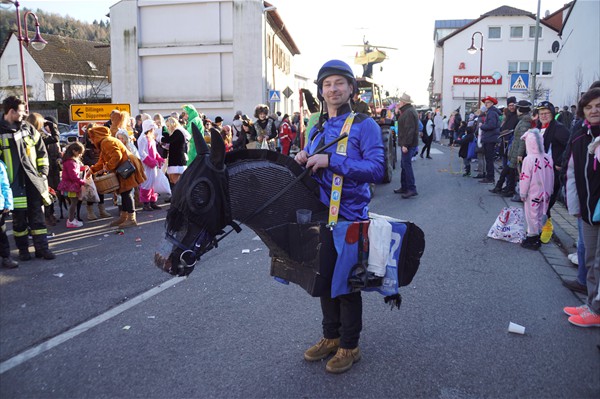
(507, 36)
(66, 69)
(219, 55)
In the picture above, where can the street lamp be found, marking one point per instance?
(38, 43)
(473, 50)
(265, 11)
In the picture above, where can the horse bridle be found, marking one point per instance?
(198, 249)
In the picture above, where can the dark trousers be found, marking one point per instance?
(127, 201)
(342, 317)
(407, 176)
(4, 244)
(508, 174)
(555, 191)
(426, 144)
(30, 220)
(489, 150)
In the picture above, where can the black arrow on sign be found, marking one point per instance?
(79, 112)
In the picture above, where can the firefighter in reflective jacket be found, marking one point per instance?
(24, 153)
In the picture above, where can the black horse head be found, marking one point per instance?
(200, 207)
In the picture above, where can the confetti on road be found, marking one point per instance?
(256, 238)
(126, 327)
(256, 249)
(75, 253)
(58, 274)
(245, 251)
(138, 239)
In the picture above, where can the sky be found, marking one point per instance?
(322, 28)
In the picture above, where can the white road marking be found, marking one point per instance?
(83, 327)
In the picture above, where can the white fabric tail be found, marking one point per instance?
(380, 236)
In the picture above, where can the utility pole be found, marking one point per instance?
(533, 86)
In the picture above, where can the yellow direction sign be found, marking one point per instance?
(95, 112)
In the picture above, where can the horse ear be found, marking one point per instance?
(201, 147)
(217, 146)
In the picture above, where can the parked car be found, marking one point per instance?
(69, 137)
(63, 127)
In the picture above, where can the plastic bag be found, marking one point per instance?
(161, 183)
(88, 192)
(509, 225)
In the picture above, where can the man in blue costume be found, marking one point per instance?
(352, 165)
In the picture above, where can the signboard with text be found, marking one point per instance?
(95, 112)
(474, 80)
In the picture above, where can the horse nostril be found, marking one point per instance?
(188, 258)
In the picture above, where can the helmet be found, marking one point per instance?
(335, 67)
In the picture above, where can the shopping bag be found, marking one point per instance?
(89, 193)
(509, 225)
(161, 183)
(471, 150)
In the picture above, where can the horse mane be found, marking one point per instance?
(255, 176)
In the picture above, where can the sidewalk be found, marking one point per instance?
(565, 242)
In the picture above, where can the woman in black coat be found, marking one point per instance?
(177, 140)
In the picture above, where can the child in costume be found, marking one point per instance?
(6, 205)
(535, 186)
(71, 181)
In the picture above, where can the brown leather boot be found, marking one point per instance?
(102, 211)
(129, 221)
(321, 349)
(122, 217)
(343, 360)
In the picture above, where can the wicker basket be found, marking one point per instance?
(107, 183)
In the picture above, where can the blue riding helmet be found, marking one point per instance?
(335, 67)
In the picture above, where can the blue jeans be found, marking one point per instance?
(407, 177)
(581, 269)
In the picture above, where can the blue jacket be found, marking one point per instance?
(6, 197)
(491, 126)
(363, 163)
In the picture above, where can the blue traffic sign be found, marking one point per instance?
(274, 96)
(519, 82)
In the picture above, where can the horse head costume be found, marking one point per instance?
(261, 189)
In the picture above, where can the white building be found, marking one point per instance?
(219, 55)
(578, 55)
(66, 69)
(507, 35)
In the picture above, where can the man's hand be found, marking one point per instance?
(317, 162)
(404, 149)
(301, 157)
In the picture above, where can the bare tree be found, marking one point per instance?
(578, 83)
(540, 92)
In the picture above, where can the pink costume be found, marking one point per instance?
(151, 160)
(536, 182)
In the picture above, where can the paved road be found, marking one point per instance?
(116, 327)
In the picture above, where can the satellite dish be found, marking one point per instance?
(555, 46)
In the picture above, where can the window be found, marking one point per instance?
(13, 72)
(546, 68)
(516, 32)
(67, 90)
(532, 32)
(513, 67)
(524, 67)
(494, 32)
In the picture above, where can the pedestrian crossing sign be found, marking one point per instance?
(274, 96)
(519, 82)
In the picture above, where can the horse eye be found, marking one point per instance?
(200, 194)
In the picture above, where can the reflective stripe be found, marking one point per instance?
(20, 202)
(20, 233)
(39, 232)
(7, 158)
(43, 162)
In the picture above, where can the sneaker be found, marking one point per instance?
(466, 174)
(400, 190)
(154, 205)
(574, 285)
(73, 224)
(343, 360)
(9, 263)
(496, 190)
(547, 231)
(587, 318)
(147, 207)
(573, 258)
(574, 311)
(322, 349)
(532, 242)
